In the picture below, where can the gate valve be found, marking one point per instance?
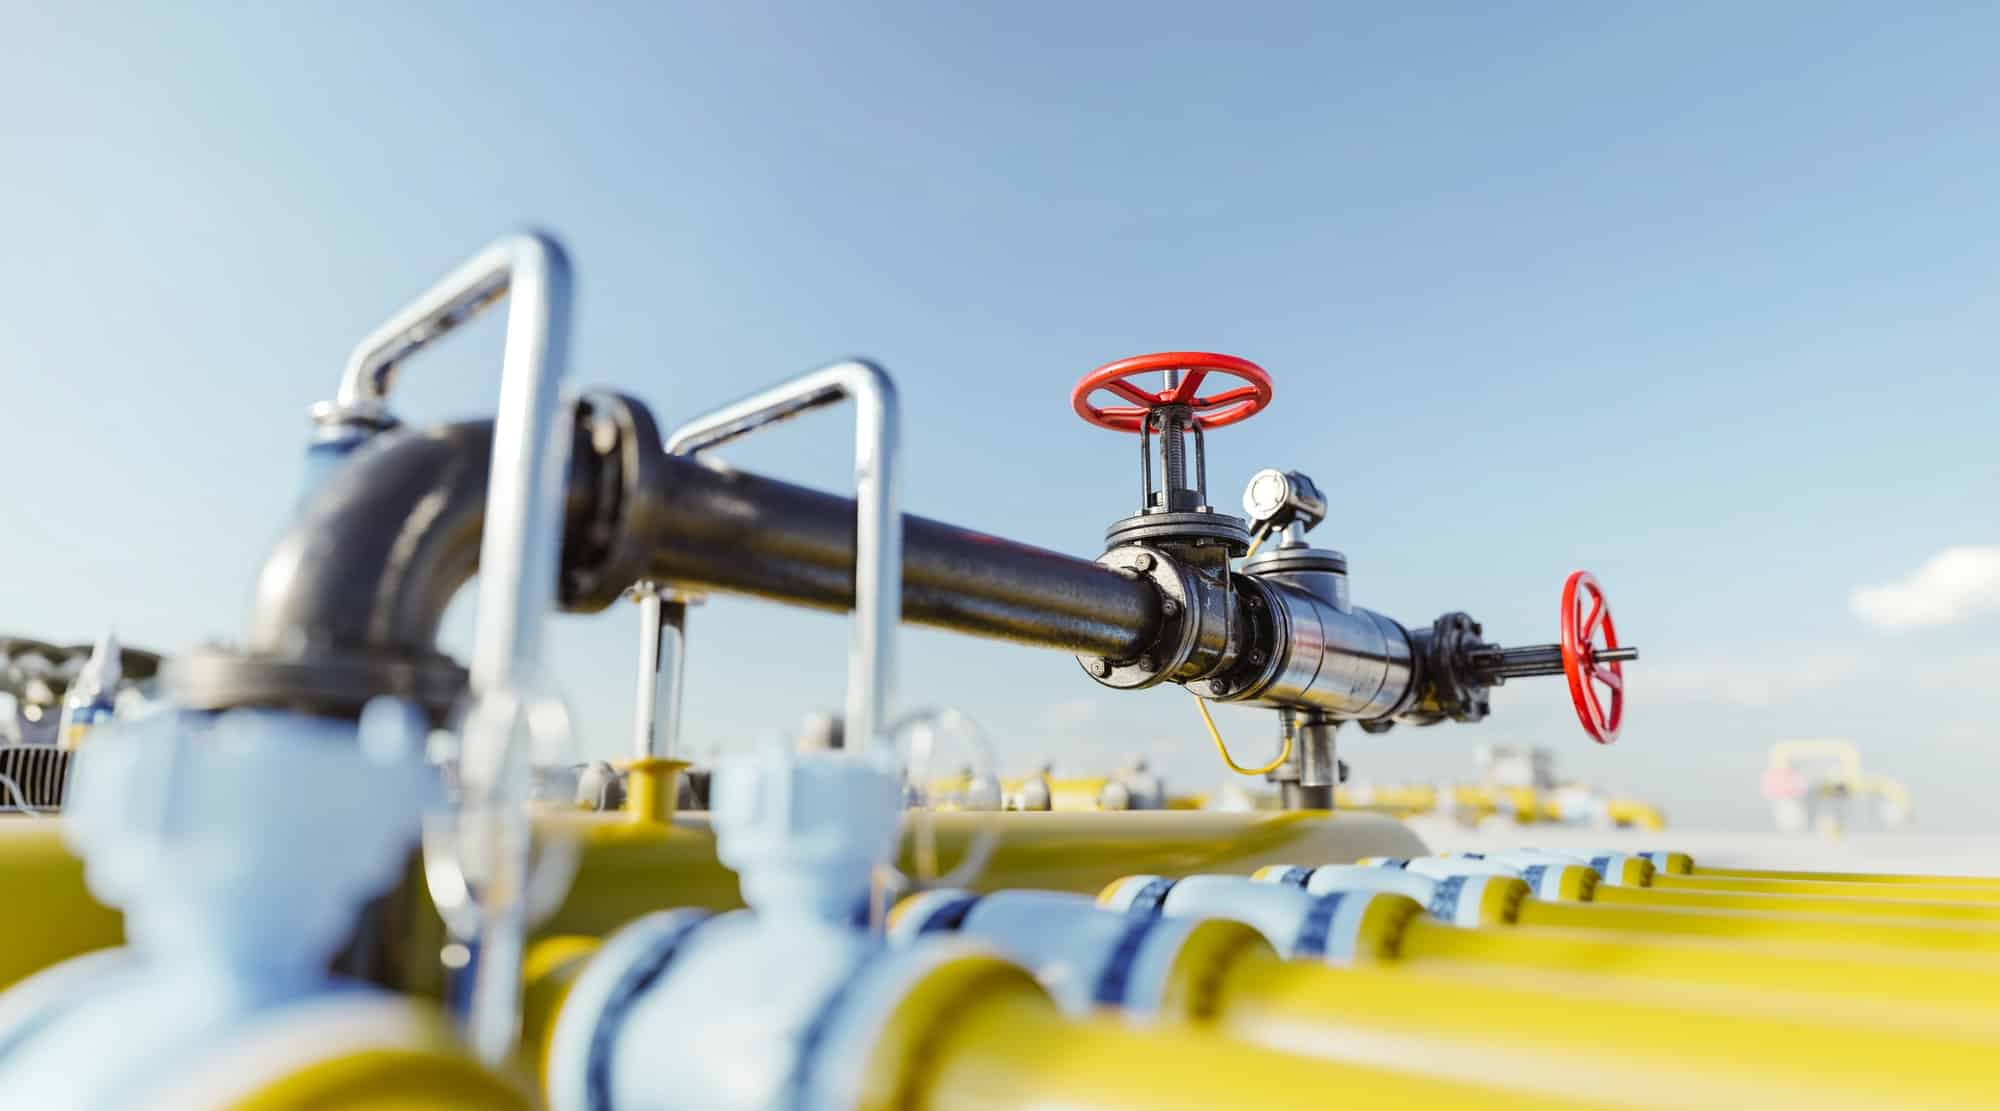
(1589, 656)
(1176, 411)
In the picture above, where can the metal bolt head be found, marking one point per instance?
(1170, 607)
(1149, 663)
(1101, 668)
(1256, 659)
(1221, 686)
(1144, 561)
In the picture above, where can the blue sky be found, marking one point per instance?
(1701, 297)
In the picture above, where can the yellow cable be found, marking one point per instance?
(1257, 543)
(1201, 704)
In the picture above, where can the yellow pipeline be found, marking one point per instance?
(1505, 899)
(1990, 882)
(404, 1058)
(1636, 1054)
(629, 868)
(1939, 927)
(1730, 1048)
(1690, 898)
(979, 1034)
(1892, 985)
(1832, 885)
(50, 914)
(1751, 925)
(389, 1080)
(1682, 864)
(992, 1041)
(550, 970)
(626, 869)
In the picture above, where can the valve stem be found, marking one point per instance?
(1493, 663)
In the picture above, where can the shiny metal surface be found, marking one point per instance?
(1195, 639)
(1494, 662)
(522, 532)
(662, 672)
(877, 568)
(1318, 763)
(636, 512)
(726, 530)
(1320, 572)
(1360, 663)
(520, 540)
(349, 600)
(1287, 500)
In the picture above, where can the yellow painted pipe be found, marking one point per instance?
(550, 970)
(50, 914)
(1833, 886)
(1751, 925)
(988, 1039)
(1848, 877)
(1881, 984)
(628, 868)
(403, 1056)
(389, 1080)
(979, 1034)
(1965, 914)
(1904, 987)
(1248, 994)
(1631, 1053)
(651, 784)
(1506, 900)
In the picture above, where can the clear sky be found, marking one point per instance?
(1701, 297)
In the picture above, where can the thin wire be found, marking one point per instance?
(1263, 534)
(20, 797)
(1201, 704)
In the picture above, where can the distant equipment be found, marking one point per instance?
(1816, 785)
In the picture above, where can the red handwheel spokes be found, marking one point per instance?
(1212, 411)
(1585, 615)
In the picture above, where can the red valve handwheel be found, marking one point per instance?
(1213, 411)
(1580, 627)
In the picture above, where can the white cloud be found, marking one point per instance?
(1956, 585)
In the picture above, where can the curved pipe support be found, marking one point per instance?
(662, 671)
(519, 553)
(878, 527)
(522, 534)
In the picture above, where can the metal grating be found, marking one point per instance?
(40, 774)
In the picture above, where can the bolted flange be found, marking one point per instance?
(1180, 596)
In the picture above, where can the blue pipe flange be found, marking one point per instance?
(1297, 923)
(1335, 879)
(766, 1014)
(1086, 956)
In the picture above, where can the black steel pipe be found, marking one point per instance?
(717, 529)
(349, 602)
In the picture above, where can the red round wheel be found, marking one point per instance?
(1580, 629)
(1212, 411)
